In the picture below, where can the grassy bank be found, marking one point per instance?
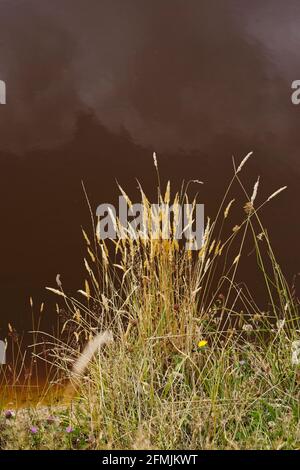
(167, 348)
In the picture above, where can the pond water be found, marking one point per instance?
(92, 90)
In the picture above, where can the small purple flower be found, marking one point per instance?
(9, 414)
(33, 430)
(69, 429)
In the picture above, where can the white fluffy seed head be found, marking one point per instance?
(243, 162)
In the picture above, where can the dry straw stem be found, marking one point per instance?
(81, 364)
(91, 348)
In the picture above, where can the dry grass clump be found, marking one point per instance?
(189, 359)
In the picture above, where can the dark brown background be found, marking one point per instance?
(94, 86)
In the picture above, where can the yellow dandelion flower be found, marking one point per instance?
(202, 343)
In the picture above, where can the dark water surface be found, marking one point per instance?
(94, 87)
